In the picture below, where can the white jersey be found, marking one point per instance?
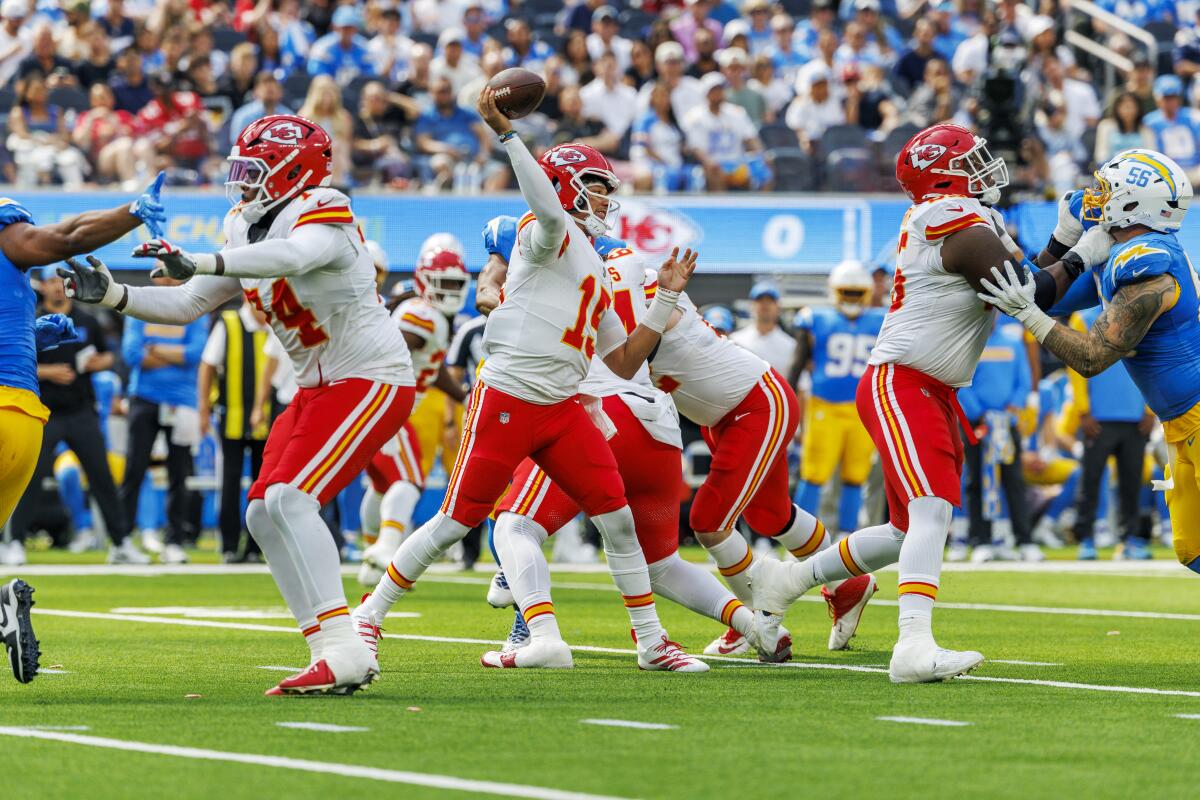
(539, 341)
(330, 320)
(704, 372)
(418, 317)
(936, 323)
(653, 408)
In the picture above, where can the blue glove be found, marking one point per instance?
(54, 329)
(149, 208)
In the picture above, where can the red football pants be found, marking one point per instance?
(749, 472)
(401, 462)
(500, 431)
(650, 470)
(327, 435)
(914, 422)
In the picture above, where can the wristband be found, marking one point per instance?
(208, 263)
(504, 137)
(1074, 265)
(659, 313)
(1038, 323)
(1056, 248)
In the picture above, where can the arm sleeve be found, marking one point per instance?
(306, 248)
(179, 305)
(132, 343)
(214, 349)
(1083, 293)
(500, 235)
(194, 339)
(547, 234)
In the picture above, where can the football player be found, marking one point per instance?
(1151, 299)
(294, 250)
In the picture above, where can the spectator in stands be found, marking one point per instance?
(1139, 81)
(783, 52)
(172, 127)
(1064, 150)
(856, 51)
(198, 78)
(201, 45)
(1078, 98)
(72, 34)
(416, 83)
(39, 139)
(271, 56)
(523, 50)
(1042, 36)
(44, 59)
(686, 93)
(323, 105)
(736, 34)
(576, 126)
(491, 64)
(15, 38)
(657, 149)
(880, 32)
(105, 135)
(722, 138)
(758, 32)
(825, 63)
(171, 54)
(342, 53)
(162, 361)
(1122, 129)
(237, 84)
(774, 89)
(117, 25)
(822, 16)
(764, 337)
(937, 98)
(268, 100)
(320, 15)
(148, 43)
(869, 101)
(380, 129)
(605, 36)
(1185, 56)
(453, 63)
(130, 88)
(814, 110)
(608, 99)
(641, 68)
(694, 18)
(97, 65)
(447, 134)
(735, 68)
(909, 70)
(706, 54)
(950, 31)
(475, 38)
(1176, 129)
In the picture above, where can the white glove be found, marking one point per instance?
(1069, 228)
(1002, 231)
(1093, 246)
(1015, 298)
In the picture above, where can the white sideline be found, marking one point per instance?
(629, 723)
(945, 723)
(323, 727)
(246, 626)
(305, 765)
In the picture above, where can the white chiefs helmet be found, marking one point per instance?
(442, 241)
(850, 288)
(442, 280)
(1140, 187)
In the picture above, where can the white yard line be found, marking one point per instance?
(246, 626)
(322, 727)
(1188, 716)
(52, 671)
(1023, 663)
(277, 668)
(944, 723)
(430, 780)
(629, 723)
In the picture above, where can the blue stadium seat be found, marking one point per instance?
(793, 169)
(71, 97)
(850, 169)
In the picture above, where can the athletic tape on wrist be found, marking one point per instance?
(659, 313)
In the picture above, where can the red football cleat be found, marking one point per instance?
(846, 608)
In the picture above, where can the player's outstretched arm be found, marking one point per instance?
(28, 245)
(627, 357)
(174, 305)
(551, 227)
(1115, 333)
(305, 249)
(490, 283)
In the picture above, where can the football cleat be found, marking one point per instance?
(498, 594)
(667, 656)
(375, 560)
(1134, 548)
(771, 597)
(777, 654)
(957, 551)
(1031, 552)
(341, 671)
(846, 608)
(127, 553)
(729, 643)
(920, 660)
(366, 625)
(16, 599)
(539, 654)
(519, 636)
(982, 554)
(1087, 550)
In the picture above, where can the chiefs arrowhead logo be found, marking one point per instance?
(284, 133)
(921, 157)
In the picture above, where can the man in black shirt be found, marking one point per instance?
(65, 382)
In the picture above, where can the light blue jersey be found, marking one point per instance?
(18, 309)
(842, 346)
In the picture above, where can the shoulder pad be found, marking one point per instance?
(804, 319)
(321, 206)
(416, 316)
(939, 218)
(11, 212)
(1140, 260)
(500, 236)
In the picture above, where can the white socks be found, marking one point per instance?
(921, 564)
(368, 512)
(518, 541)
(423, 547)
(627, 565)
(395, 514)
(859, 553)
(805, 536)
(733, 560)
(285, 572)
(697, 589)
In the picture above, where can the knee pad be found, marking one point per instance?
(282, 498)
(705, 515)
(617, 531)
(768, 521)
(509, 524)
(258, 521)
(931, 513)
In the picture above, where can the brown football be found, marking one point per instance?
(518, 91)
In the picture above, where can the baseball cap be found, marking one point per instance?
(730, 56)
(1037, 26)
(764, 289)
(604, 12)
(867, 5)
(14, 9)
(750, 6)
(822, 5)
(781, 22)
(734, 28)
(1168, 86)
(347, 17)
(451, 36)
(669, 51)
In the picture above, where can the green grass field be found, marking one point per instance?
(165, 675)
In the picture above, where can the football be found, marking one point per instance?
(518, 91)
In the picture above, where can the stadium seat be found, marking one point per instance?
(71, 97)
(837, 137)
(225, 39)
(850, 169)
(295, 87)
(776, 135)
(888, 149)
(353, 90)
(793, 169)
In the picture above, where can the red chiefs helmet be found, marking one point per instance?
(571, 167)
(277, 157)
(949, 160)
(442, 280)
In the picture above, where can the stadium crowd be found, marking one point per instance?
(696, 95)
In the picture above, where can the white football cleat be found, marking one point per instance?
(1031, 552)
(920, 660)
(846, 608)
(366, 625)
(341, 670)
(12, 554)
(537, 654)
(729, 643)
(173, 554)
(127, 553)
(85, 539)
(776, 653)
(152, 540)
(957, 551)
(375, 560)
(499, 595)
(768, 580)
(982, 554)
(667, 656)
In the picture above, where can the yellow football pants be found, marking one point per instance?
(1183, 501)
(833, 436)
(1055, 473)
(429, 423)
(20, 446)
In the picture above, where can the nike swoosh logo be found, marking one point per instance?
(955, 209)
(1137, 272)
(324, 203)
(726, 650)
(739, 416)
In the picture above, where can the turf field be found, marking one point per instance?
(157, 692)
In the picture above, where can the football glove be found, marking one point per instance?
(51, 330)
(148, 207)
(92, 284)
